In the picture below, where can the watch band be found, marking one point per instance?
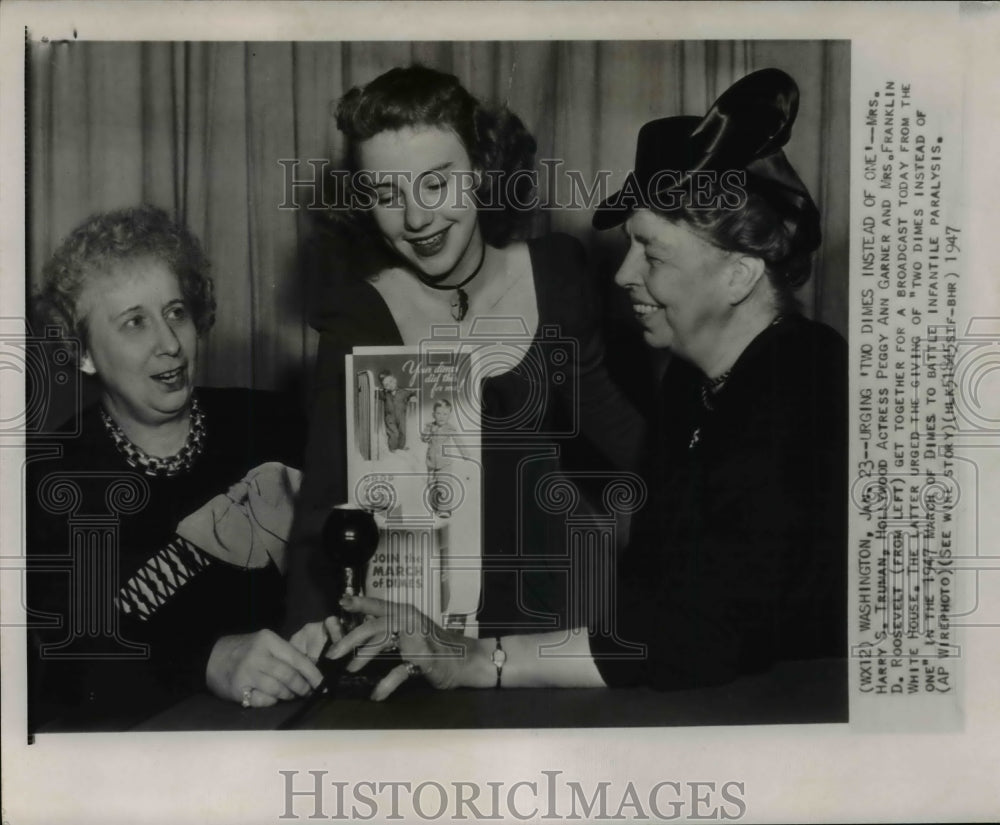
(499, 659)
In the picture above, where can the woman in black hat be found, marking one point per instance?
(738, 560)
(441, 187)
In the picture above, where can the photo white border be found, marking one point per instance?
(791, 773)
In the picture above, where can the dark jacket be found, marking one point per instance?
(740, 558)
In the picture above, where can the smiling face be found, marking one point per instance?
(141, 342)
(677, 283)
(425, 210)
(441, 414)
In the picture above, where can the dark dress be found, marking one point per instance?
(740, 560)
(97, 682)
(544, 416)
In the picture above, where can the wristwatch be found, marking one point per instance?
(499, 659)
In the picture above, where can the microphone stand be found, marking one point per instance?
(350, 539)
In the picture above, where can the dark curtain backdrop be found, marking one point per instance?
(199, 128)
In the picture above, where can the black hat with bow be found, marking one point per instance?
(744, 131)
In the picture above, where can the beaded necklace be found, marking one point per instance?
(150, 465)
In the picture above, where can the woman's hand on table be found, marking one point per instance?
(258, 669)
(445, 658)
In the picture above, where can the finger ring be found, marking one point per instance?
(412, 669)
(393, 642)
(247, 693)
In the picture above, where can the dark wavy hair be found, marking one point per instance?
(758, 228)
(112, 239)
(494, 137)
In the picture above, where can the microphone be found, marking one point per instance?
(350, 539)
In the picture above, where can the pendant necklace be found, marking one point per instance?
(710, 387)
(460, 300)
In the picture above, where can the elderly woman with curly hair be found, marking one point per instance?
(442, 188)
(193, 578)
